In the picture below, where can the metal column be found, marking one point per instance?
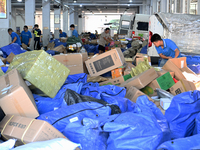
(198, 7)
(56, 23)
(30, 18)
(188, 6)
(66, 20)
(46, 21)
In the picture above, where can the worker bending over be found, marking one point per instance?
(14, 36)
(104, 38)
(166, 48)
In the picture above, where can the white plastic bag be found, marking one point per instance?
(8, 145)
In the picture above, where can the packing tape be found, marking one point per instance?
(183, 85)
(5, 127)
(22, 139)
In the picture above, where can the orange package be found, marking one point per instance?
(116, 73)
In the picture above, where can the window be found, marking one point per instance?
(125, 24)
(143, 26)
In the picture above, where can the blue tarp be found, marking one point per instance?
(91, 48)
(182, 113)
(12, 48)
(57, 42)
(51, 52)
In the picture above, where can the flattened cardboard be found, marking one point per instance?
(105, 62)
(50, 46)
(60, 49)
(15, 97)
(141, 80)
(177, 88)
(133, 93)
(116, 81)
(74, 62)
(27, 130)
(174, 65)
(10, 58)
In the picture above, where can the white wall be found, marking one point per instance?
(20, 22)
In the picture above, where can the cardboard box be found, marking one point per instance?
(10, 58)
(128, 68)
(50, 46)
(116, 73)
(74, 62)
(163, 82)
(177, 88)
(175, 65)
(15, 97)
(24, 46)
(116, 81)
(139, 57)
(141, 80)
(105, 62)
(165, 103)
(133, 93)
(162, 72)
(63, 39)
(27, 130)
(190, 86)
(60, 49)
(3, 59)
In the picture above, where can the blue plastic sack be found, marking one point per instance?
(181, 144)
(144, 50)
(4, 69)
(195, 69)
(54, 144)
(51, 52)
(81, 77)
(110, 90)
(47, 104)
(182, 113)
(197, 125)
(143, 128)
(124, 104)
(12, 48)
(93, 84)
(90, 138)
(61, 117)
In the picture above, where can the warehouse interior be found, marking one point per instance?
(99, 74)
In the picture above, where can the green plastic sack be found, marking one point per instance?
(41, 70)
(140, 68)
(1, 72)
(73, 40)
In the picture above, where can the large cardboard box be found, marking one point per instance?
(177, 88)
(27, 130)
(116, 81)
(105, 62)
(60, 49)
(133, 93)
(74, 62)
(175, 65)
(139, 57)
(190, 86)
(163, 82)
(15, 97)
(10, 58)
(141, 80)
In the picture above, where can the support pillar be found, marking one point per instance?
(30, 18)
(46, 21)
(14, 19)
(183, 6)
(175, 6)
(198, 7)
(66, 20)
(163, 6)
(154, 6)
(56, 23)
(72, 18)
(188, 6)
(5, 24)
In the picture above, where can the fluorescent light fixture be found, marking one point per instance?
(128, 5)
(80, 5)
(19, 0)
(75, 1)
(130, 0)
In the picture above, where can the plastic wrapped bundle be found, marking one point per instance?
(41, 70)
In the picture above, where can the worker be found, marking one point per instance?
(26, 36)
(62, 34)
(166, 48)
(92, 36)
(37, 37)
(104, 38)
(74, 32)
(14, 36)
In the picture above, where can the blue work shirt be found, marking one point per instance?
(25, 37)
(75, 33)
(13, 35)
(63, 34)
(92, 36)
(169, 48)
